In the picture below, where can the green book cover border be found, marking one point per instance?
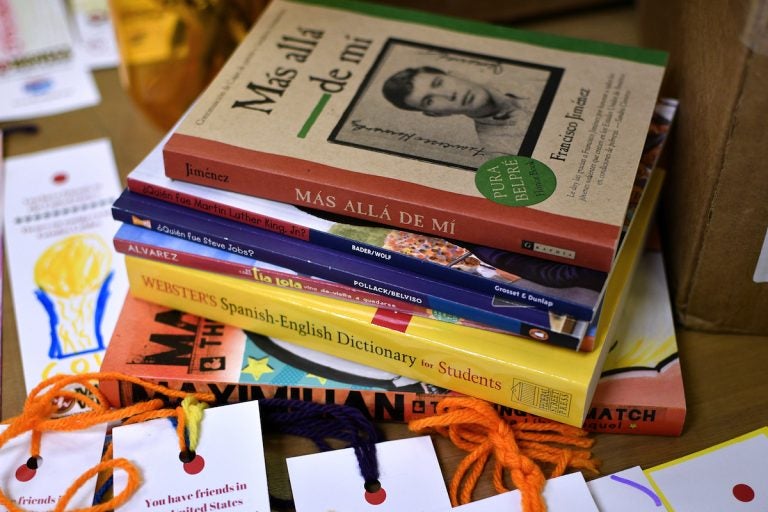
(637, 54)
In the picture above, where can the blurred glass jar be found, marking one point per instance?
(171, 49)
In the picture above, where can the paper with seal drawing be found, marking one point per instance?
(64, 456)
(226, 473)
(67, 282)
(41, 71)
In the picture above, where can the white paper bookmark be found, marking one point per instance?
(227, 473)
(67, 281)
(410, 479)
(64, 456)
(93, 33)
(567, 493)
(728, 476)
(625, 491)
(42, 74)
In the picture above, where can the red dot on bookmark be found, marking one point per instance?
(28, 470)
(25, 473)
(60, 177)
(743, 492)
(193, 464)
(375, 493)
(376, 498)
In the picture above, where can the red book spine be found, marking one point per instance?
(263, 275)
(287, 280)
(406, 206)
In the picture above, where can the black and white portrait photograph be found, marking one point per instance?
(448, 106)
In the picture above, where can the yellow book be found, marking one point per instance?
(507, 370)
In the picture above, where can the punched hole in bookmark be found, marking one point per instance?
(28, 470)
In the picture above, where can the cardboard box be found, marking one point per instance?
(715, 204)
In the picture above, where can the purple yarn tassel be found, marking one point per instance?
(320, 422)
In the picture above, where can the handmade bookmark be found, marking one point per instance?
(625, 491)
(361, 474)
(67, 281)
(409, 479)
(728, 476)
(567, 493)
(474, 426)
(198, 460)
(37, 469)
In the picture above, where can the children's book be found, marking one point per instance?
(527, 375)
(488, 135)
(639, 392)
(558, 287)
(144, 243)
(641, 388)
(300, 256)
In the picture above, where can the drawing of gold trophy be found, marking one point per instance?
(73, 278)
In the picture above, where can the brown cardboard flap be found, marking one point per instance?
(715, 206)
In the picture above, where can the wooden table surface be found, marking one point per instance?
(725, 375)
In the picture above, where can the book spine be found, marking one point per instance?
(509, 290)
(617, 419)
(395, 406)
(364, 337)
(307, 284)
(378, 405)
(268, 247)
(479, 221)
(635, 419)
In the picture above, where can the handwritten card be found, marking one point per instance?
(625, 491)
(227, 472)
(567, 493)
(42, 74)
(67, 281)
(64, 456)
(410, 479)
(729, 476)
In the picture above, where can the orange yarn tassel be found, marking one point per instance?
(38, 416)
(474, 426)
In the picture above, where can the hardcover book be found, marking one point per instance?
(564, 289)
(458, 129)
(527, 375)
(306, 258)
(640, 390)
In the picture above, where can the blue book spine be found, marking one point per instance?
(527, 291)
(561, 288)
(314, 260)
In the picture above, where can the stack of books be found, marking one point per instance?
(445, 201)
